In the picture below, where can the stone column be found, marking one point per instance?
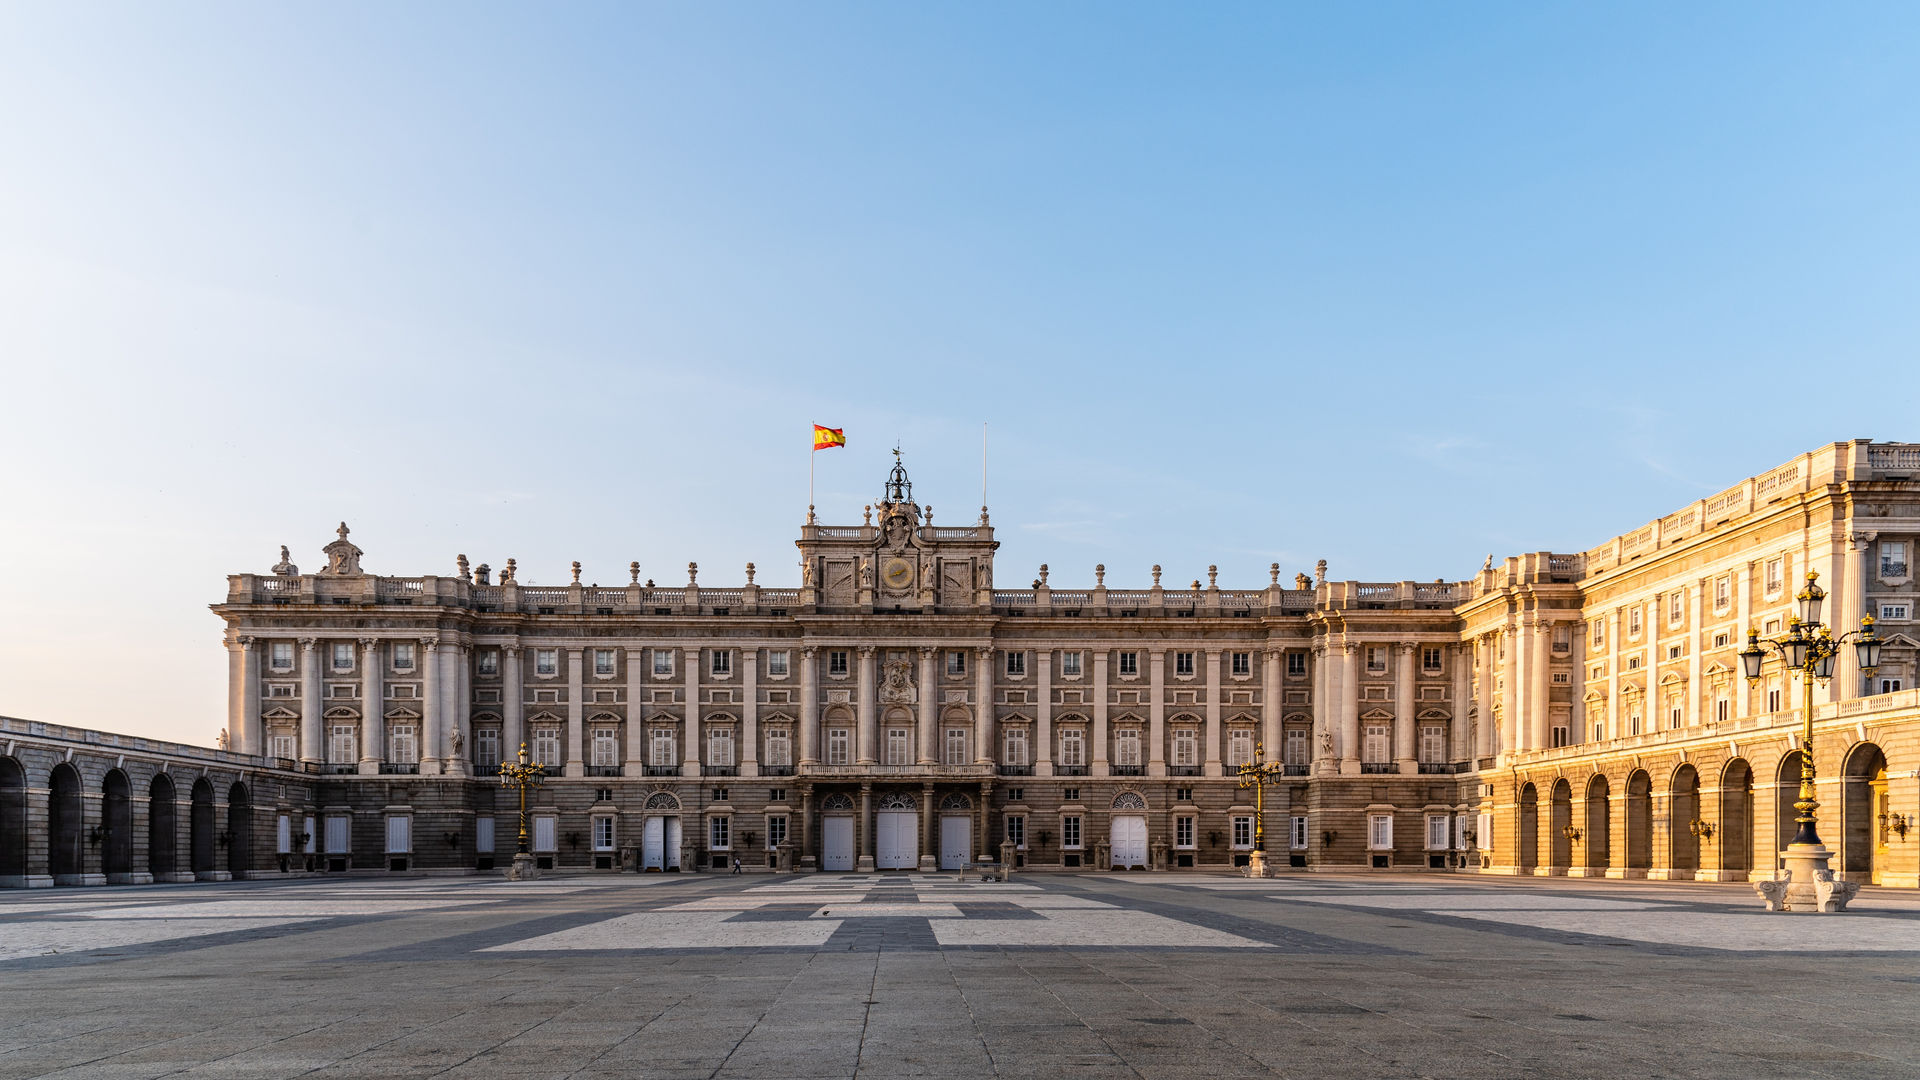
(1541, 708)
(1696, 615)
(690, 753)
(983, 705)
(635, 756)
(1405, 755)
(1043, 713)
(866, 714)
(513, 701)
(373, 721)
(1512, 723)
(1743, 608)
(1614, 719)
(1849, 596)
(750, 712)
(243, 695)
(1101, 766)
(576, 713)
(929, 828)
(1348, 693)
(1323, 718)
(1656, 704)
(432, 707)
(1210, 764)
(864, 828)
(809, 708)
(313, 735)
(1460, 746)
(1271, 713)
(460, 711)
(929, 693)
(1156, 712)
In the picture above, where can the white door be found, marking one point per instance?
(650, 845)
(673, 842)
(896, 840)
(956, 842)
(1130, 841)
(836, 843)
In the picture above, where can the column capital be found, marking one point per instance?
(245, 641)
(809, 651)
(307, 643)
(985, 651)
(429, 643)
(866, 650)
(927, 651)
(1272, 653)
(369, 642)
(1407, 647)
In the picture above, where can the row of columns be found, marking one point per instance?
(1337, 700)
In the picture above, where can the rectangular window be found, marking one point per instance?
(603, 661)
(281, 655)
(1017, 831)
(721, 662)
(720, 746)
(1376, 658)
(281, 746)
(1070, 831)
(606, 746)
(1296, 663)
(399, 834)
(1016, 663)
(956, 752)
(339, 834)
(1297, 832)
(546, 833)
(838, 739)
(1430, 658)
(1183, 663)
(1437, 832)
(837, 662)
(660, 747)
(663, 661)
(1721, 641)
(1297, 752)
(483, 835)
(603, 833)
(1129, 663)
(1776, 576)
(1888, 686)
(779, 747)
(1242, 830)
(1016, 746)
(487, 661)
(956, 662)
(342, 656)
(1073, 747)
(1239, 747)
(546, 661)
(1378, 748)
(776, 831)
(546, 746)
(402, 655)
(1673, 717)
(1380, 832)
(1599, 631)
(1773, 697)
(1674, 652)
(1562, 637)
(1433, 744)
(719, 833)
(777, 663)
(1723, 592)
(1633, 722)
(1894, 612)
(486, 748)
(1722, 710)
(1126, 747)
(1633, 621)
(283, 835)
(1676, 608)
(1242, 663)
(1070, 664)
(404, 748)
(1893, 558)
(1183, 831)
(899, 750)
(1558, 735)
(1186, 744)
(340, 746)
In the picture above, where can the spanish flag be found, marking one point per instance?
(826, 437)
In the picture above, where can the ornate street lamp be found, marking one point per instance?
(523, 775)
(1258, 774)
(1809, 648)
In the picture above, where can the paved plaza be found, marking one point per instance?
(1097, 975)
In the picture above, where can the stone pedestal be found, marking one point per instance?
(524, 868)
(1806, 885)
(1006, 859)
(1257, 864)
(864, 865)
(928, 864)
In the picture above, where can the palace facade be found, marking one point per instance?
(1579, 713)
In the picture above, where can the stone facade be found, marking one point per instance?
(1556, 713)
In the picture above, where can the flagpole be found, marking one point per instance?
(810, 455)
(983, 469)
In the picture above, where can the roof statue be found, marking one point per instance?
(343, 557)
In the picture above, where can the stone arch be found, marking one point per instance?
(957, 802)
(1786, 791)
(163, 827)
(200, 827)
(837, 803)
(1683, 809)
(1599, 825)
(896, 800)
(239, 829)
(116, 820)
(1639, 822)
(1129, 800)
(1559, 825)
(663, 801)
(1736, 817)
(65, 843)
(13, 822)
(837, 714)
(1529, 833)
(1863, 808)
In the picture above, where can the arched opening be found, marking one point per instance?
(13, 822)
(1786, 791)
(1639, 823)
(1529, 829)
(239, 829)
(1863, 815)
(116, 819)
(1736, 820)
(64, 855)
(1598, 827)
(200, 828)
(163, 829)
(1560, 826)
(1682, 818)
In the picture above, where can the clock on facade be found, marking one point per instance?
(897, 573)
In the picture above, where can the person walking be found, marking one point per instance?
(736, 864)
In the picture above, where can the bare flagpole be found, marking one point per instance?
(983, 470)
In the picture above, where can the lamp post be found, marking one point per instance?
(522, 774)
(1257, 774)
(1809, 648)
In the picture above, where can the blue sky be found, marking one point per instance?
(1391, 285)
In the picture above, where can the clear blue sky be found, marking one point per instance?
(1392, 285)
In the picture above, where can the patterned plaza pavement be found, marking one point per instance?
(941, 975)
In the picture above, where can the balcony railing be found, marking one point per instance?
(337, 769)
(1378, 767)
(1128, 770)
(663, 770)
(606, 770)
(1069, 770)
(719, 770)
(1183, 770)
(776, 770)
(400, 768)
(1443, 766)
(1016, 770)
(1294, 770)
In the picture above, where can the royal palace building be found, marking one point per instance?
(1579, 713)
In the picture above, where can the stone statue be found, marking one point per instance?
(1488, 565)
(806, 573)
(1326, 742)
(457, 739)
(285, 567)
(223, 742)
(343, 558)
(866, 573)
(1320, 573)
(1302, 581)
(984, 571)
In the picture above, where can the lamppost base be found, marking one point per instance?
(524, 868)
(1257, 864)
(1806, 885)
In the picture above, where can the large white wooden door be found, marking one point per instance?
(673, 843)
(956, 842)
(836, 843)
(651, 841)
(896, 840)
(1130, 841)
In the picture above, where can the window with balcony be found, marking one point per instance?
(1126, 748)
(342, 745)
(662, 662)
(1297, 751)
(1239, 747)
(1186, 748)
(1893, 558)
(1070, 665)
(1599, 632)
(280, 746)
(403, 744)
(546, 661)
(606, 747)
(779, 753)
(1633, 621)
(1073, 747)
(603, 662)
(956, 746)
(1676, 608)
(662, 753)
(1433, 744)
(839, 742)
(545, 747)
(1723, 592)
(486, 749)
(777, 661)
(280, 655)
(899, 746)
(1776, 577)
(1016, 747)
(1377, 746)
